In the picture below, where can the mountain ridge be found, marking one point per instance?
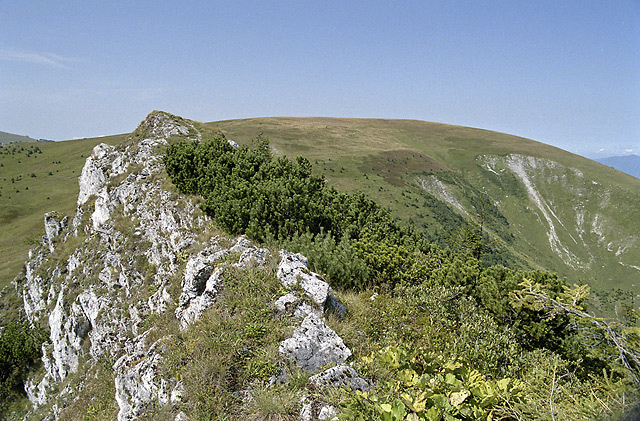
(6, 137)
(389, 159)
(151, 310)
(358, 154)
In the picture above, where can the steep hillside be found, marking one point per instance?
(546, 207)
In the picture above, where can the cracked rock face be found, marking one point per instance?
(192, 306)
(93, 298)
(327, 412)
(198, 271)
(285, 303)
(33, 287)
(255, 255)
(316, 411)
(67, 332)
(160, 125)
(314, 345)
(54, 223)
(137, 384)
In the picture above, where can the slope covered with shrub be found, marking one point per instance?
(442, 176)
(160, 314)
(441, 301)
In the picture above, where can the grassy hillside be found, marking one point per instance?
(585, 227)
(10, 137)
(435, 175)
(36, 178)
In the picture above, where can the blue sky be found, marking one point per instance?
(565, 73)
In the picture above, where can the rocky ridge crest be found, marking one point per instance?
(97, 276)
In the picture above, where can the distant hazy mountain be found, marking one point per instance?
(629, 164)
(10, 137)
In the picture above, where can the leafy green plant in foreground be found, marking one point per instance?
(427, 387)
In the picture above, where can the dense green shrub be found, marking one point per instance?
(20, 350)
(428, 387)
(338, 261)
(249, 192)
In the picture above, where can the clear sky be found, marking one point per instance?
(565, 73)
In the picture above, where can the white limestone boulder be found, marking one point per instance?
(314, 345)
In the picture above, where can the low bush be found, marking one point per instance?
(425, 386)
(20, 352)
(444, 300)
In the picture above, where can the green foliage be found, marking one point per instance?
(338, 261)
(96, 398)
(259, 367)
(391, 264)
(448, 326)
(440, 319)
(20, 350)
(245, 190)
(249, 192)
(353, 240)
(605, 338)
(425, 386)
(492, 288)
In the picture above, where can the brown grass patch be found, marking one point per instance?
(394, 164)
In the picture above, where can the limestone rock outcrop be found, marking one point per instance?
(340, 376)
(292, 272)
(54, 223)
(137, 384)
(314, 345)
(122, 251)
(137, 251)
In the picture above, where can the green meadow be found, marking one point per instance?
(387, 159)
